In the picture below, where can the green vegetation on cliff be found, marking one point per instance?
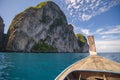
(81, 39)
(41, 5)
(43, 47)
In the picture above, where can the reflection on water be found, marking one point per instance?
(20, 66)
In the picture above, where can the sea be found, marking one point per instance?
(40, 66)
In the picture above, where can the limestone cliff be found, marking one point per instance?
(1, 33)
(43, 28)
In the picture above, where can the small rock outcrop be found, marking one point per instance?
(43, 28)
(82, 42)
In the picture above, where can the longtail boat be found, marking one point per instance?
(93, 67)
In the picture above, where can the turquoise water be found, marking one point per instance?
(42, 66)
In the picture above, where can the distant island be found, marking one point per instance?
(43, 28)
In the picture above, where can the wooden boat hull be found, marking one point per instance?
(92, 65)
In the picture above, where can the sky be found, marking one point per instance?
(100, 18)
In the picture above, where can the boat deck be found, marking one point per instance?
(93, 63)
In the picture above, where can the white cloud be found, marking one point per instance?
(110, 37)
(108, 46)
(114, 30)
(109, 33)
(99, 30)
(72, 1)
(85, 31)
(85, 17)
(89, 8)
(77, 7)
(104, 37)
